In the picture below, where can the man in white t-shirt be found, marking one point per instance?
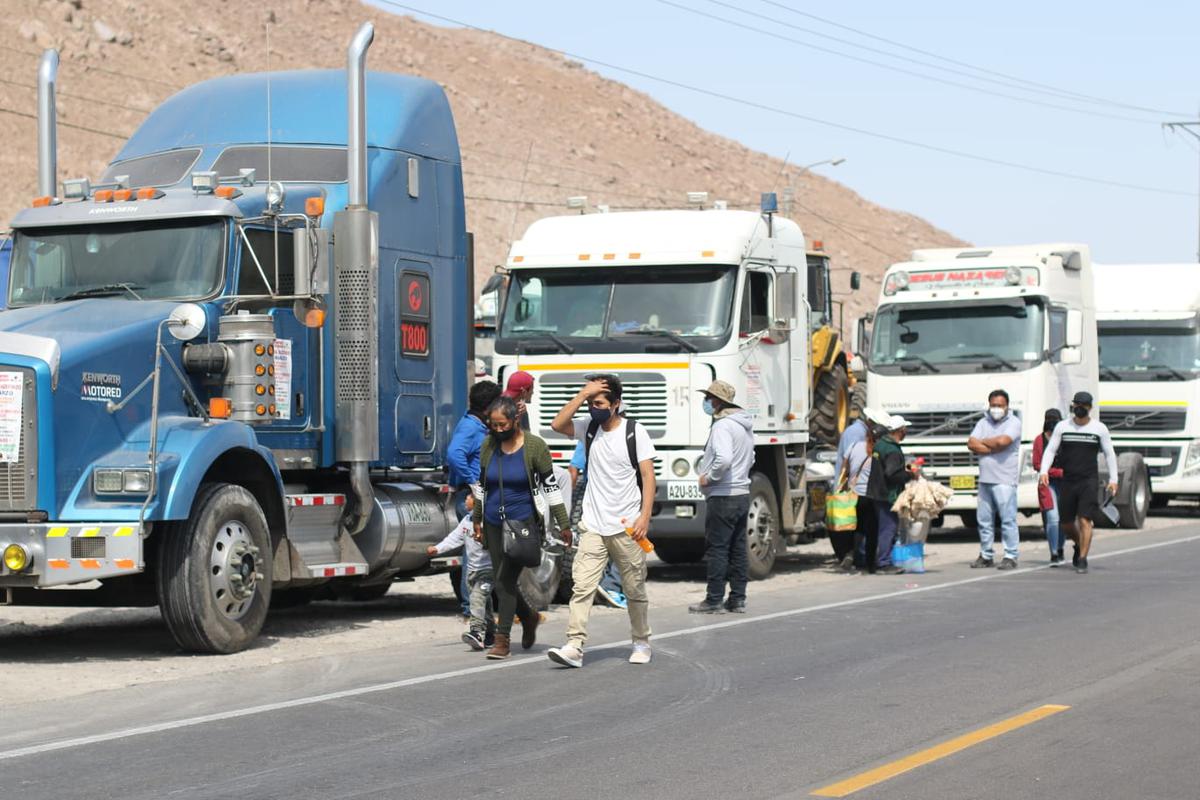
(617, 505)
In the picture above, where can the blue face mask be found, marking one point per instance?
(708, 406)
(600, 415)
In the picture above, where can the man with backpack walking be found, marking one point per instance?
(617, 505)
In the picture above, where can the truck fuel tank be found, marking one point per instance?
(406, 519)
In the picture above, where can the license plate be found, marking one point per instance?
(684, 490)
(962, 481)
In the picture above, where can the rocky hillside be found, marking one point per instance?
(534, 127)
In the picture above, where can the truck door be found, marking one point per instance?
(416, 365)
(764, 360)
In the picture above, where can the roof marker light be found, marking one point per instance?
(103, 196)
(149, 193)
(227, 192)
(314, 206)
(43, 202)
(121, 195)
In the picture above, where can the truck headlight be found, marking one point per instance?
(1028, 475)
(680, 467)
(121, 481)
(1192, 464)
(17, 557)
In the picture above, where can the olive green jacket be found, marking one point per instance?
(539, 468)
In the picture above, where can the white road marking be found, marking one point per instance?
(191, 722)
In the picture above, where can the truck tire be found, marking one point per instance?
(1134, 509)
(858, 399)
(830, 407)
(538, 585)
(214, 572)
(762, 527)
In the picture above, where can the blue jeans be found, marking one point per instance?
(460, 509)
(611, 581)
(998, 498)
(889, 523)
(1050, 520)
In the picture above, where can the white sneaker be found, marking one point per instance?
(641, 653)
(568, 655)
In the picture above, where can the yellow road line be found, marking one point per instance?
(1136, 403)
(606, 366)
(923, 757)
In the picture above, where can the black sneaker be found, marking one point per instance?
(1075, 557)
(735, 606)
(1055, 560)
(1007, 563)
(707, 607)
(474, 640)
(891, 569)
(1081, 566)
(981, 563)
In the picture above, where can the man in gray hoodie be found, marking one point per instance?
(725, 481)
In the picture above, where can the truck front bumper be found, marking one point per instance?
(64, 553)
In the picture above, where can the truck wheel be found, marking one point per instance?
(538, 585)
(858, 399)
(762, 527)
(1133, 512)
(214, 572)
(830, 407)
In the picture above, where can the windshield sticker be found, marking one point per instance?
(101, 387)
(1030, 356)
(283, 378)
(11, 399)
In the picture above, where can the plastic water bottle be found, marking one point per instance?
(645, 544)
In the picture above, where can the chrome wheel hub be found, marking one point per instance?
(235, 568)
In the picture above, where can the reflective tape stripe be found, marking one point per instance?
(88, 533)
(57, 533)
(125, 531)
(89, 563)
(58, 563)
(125, 563)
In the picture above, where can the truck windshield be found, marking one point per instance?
(959, 337)
(1145, 351)
(160, 260)
(629, 309)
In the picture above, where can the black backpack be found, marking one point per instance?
(630, 445)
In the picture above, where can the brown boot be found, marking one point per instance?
(500, 650)
(529, 631)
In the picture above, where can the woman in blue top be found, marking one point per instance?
(520, 462)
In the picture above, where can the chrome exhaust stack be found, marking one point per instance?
(47, 120)
(356, 301)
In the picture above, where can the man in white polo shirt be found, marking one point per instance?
(997, 441)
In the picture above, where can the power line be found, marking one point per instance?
(818, 121)
(90, 68)
(948, 60)
(82, 97)
(96, 131)
(880, 64)
(521, 159)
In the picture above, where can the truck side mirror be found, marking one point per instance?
(784, 318)
(855, 281)
(1074, 328)
(493, 284)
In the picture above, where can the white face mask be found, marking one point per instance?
(998, 413)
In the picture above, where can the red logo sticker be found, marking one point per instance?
(414, 296)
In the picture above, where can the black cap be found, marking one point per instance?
(1082, 399)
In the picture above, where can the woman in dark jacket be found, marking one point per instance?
(889, 475)
(520, 461)
(1048, 495)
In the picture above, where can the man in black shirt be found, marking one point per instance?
(1076, 443)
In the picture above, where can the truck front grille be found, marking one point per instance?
(18, 479)
(941, 423)
(1143, 419)
(945, 459)
(644, 397)
(1159, 454)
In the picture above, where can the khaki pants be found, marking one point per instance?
(590, 561)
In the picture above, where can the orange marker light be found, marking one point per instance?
(314, 206)
(226, 192)
(635, 256)
(121, 195)
(103, 196)
(149, 193)
(260, 370)
(220, 407)
(585, 257)
(260, 390)
(272, 409)
(260, 409)
(42, 202)
(270, 349)
(518, 259)
(314, 318)
(259, 349)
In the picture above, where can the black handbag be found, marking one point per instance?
(522, 537)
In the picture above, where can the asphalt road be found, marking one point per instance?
(814, 687)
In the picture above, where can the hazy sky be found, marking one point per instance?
(1143, 55)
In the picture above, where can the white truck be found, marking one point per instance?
(954, 324)
(1149, 319)
(670, 300)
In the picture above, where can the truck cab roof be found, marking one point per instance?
(1147, 291)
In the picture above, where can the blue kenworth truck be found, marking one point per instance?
(230, 366)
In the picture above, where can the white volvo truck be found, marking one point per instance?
(1149, 318)
(954, 324)
(670, 300)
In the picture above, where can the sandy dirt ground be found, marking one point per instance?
(73, 651)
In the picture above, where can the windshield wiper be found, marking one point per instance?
(1165, 370)
(550, 337)
(105, 290)
(990, 357)
(674, 337)
(920, 361)
(1110, 373)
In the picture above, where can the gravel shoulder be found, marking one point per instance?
(66, 652)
